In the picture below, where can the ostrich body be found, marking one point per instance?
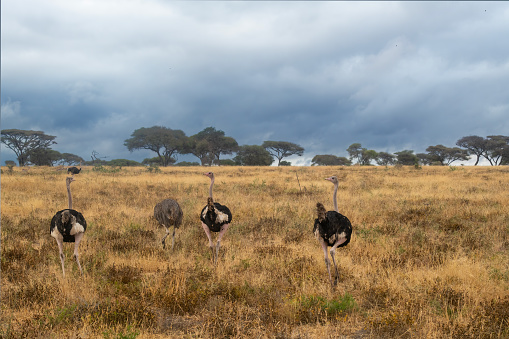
(168, 213)
(332, 229)
(68, 225)
(214, 218)
(74, 170)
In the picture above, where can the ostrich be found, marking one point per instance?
(74, 170)
(168, 213)
(68, 226)
(214, 218)
(332, 229)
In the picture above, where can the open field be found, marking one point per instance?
(429, 256)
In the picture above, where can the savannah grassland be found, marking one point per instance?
(429, 256)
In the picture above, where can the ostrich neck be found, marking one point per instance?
(69, 196)
(334, 198)
(210, 189)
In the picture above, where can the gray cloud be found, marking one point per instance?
(321, 74)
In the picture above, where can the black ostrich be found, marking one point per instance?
(68, 226)
(214, 218)
(74, 170)
(332, 229)
(168, 213)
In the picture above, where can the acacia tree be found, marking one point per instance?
(21, 142)
(43, 157)
(366, 156)
(362, 154)
(282, 149)
(355, 151)
(497, 149)
(385, 159)
(209, 144)
(406, 157)
(329, 160)
(424, 158)
(474, 145)
(165, 142)
(446, 155)
(70, 159)
(200, 149)
(253, 155)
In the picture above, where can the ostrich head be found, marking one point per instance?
(209, 174)
(333, 179)
(68, 180)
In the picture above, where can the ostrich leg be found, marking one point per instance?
(332, 253)
(223, 230)
(77, 239)
(335, 267)
(61, 254)
(164, 238)
(327, 261)
(173, 238)
(211, 246)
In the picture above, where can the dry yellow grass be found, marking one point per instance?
(428, 257)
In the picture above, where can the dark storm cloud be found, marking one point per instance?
(321, 74)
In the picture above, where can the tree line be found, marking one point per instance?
(494, 148)
(209, 145)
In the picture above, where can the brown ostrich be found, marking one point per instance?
(168, 213)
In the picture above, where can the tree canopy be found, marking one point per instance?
(70, 159)
(497, 147)
(474, 145)
(355, 151)
(282, 149)
(165, 142)
(385, 159)
(367, 155)
(253, 155)
(43, 157)
(209, 144)
(22, 142)
(407, 158)
(446, 155)
(329, 160)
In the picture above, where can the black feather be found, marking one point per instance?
(215, 217)
(64, 225)
(332, 227)
(74, 170)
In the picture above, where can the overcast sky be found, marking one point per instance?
(389, 75)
